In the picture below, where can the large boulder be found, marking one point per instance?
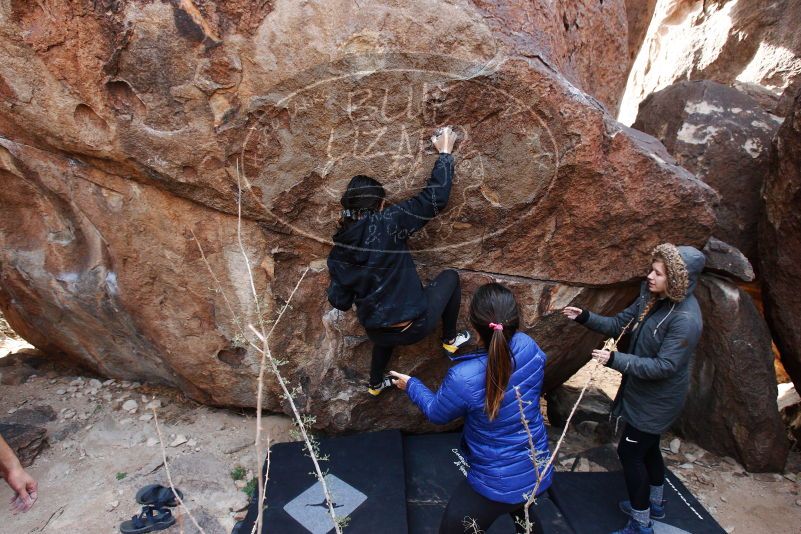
(723, 136)
(727, 41)
(731, 408)
(780, 243)
(127, 128)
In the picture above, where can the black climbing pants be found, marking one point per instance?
(641, 457)
(443, 296)
(469, 511)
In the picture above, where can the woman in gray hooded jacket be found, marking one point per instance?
(664, 325)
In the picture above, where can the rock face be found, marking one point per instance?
(731, 408)
(727, 41)
(723, 136)
(724, 259)
(126, 129)
(780, 243)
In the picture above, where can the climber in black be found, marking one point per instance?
(371, 266)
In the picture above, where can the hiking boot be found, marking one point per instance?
(376, 389)
(634, 527)
(657, 510)
(449, 347)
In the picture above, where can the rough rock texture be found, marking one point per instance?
(728, 41)
(731, 408)
(723, 258)
(780, 243)
(723, 136)
(27, 441)
(125, 128)
(638, 14)
(790, 408)
(595, 405)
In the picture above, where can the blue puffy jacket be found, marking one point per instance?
(497, 451)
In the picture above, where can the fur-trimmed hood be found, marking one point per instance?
(683, 265)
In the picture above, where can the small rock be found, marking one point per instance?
(191, 443)
(135, 384)
(240, 484)
(60, 391)
(675, 445)
(69, 414)
(12, 410)
(77, 382)
(84, 416)
(687, 466)
(72, 389)
(690, 457)
(152, 441)
(146, 417)
(130, 405)
(729, 530)
(112, 505)
(125, 384)
(106, 396)
(155, 403)
(180, 439)
(108, 382)
(798, 502)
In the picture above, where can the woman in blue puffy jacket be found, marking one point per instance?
(482, 389)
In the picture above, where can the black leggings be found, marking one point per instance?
(466, 508)
(641, 457)
(444, 295)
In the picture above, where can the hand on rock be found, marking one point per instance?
(444, 139)
(571, 312)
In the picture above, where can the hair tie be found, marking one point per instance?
(496, 326)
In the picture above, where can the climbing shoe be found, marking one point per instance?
(450, 346)
(376, 389)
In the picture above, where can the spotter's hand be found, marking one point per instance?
(601, 356)
(399, 380)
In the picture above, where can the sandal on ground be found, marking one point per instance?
(158, 495)
(149, 519)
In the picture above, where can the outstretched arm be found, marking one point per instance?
(413, 213)
(441, 407)
(609, 326)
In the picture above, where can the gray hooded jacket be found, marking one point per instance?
(656, 368)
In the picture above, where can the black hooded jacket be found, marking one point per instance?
(371, 265)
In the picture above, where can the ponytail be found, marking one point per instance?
(494, 315)
(499, 369)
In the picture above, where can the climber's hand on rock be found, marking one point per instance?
(444, 139)
(571, 312)
(399, 380)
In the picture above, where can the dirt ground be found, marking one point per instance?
(101, 450)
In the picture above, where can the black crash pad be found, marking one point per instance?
(390, 483)
(366, 478)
